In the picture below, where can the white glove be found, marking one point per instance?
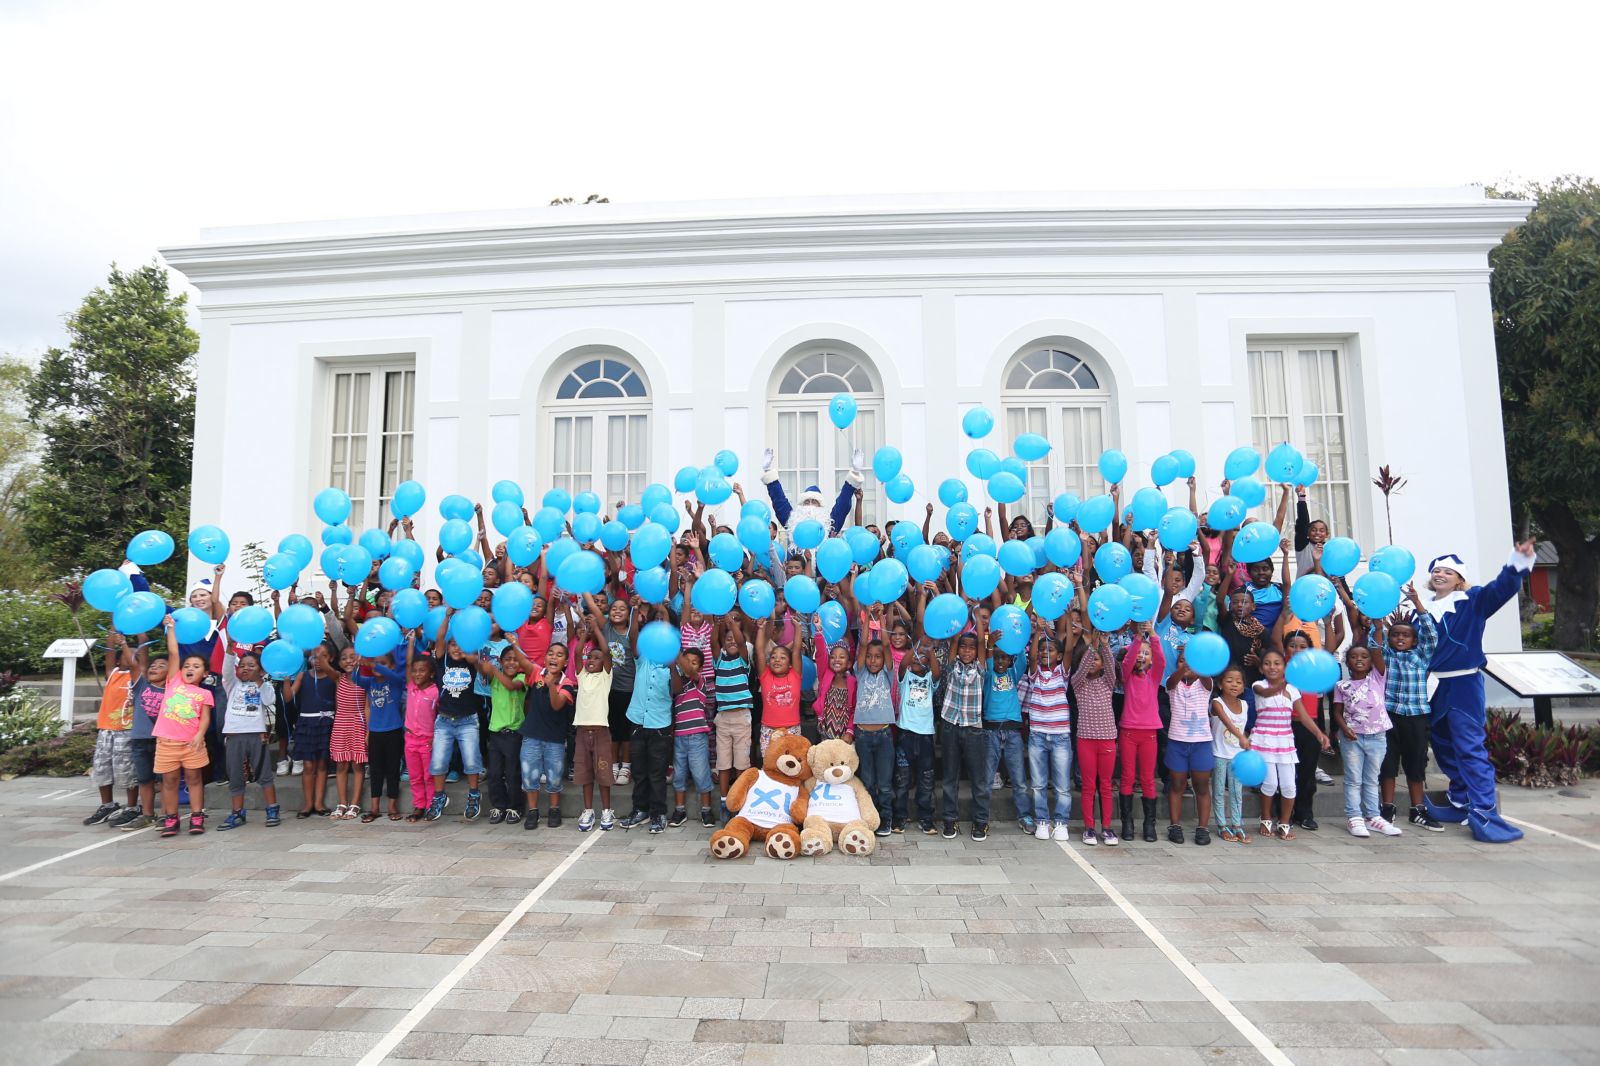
(858, 458)
(767, 458)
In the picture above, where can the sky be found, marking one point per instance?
(126, 126)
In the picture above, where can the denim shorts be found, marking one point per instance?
(448, 733)
(546, 760)
(1190, 756)
(691, 758)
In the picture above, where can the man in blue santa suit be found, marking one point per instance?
(1455, 681)
(810, 505)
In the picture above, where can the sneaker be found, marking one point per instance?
(513, 818)
(608, 819)
(474, 805)
(586, 820)
(1423, 820)
(1358, 828)
(554, 821)
(883, 830)
(679, 816)
(625, 774)
(1041, 831)
(635, 818)
(137, 822)
(496, 815)
(1381, 826)
(998, 782)
(169, 825)
(1089, 838)
(1202, 835)
(273, 817)
(1108, 838)
(1387, 811)
(928, 829)
(283, 768)
(124, 816)
(949, 831)
(1322, 779)
(436, 808)
(1308, 823)
(1025, 823)
(616, 768)
(296, 768)
(102, 812)
(707, 818)
(658, 824)
(1175, 834)
(898, 828)
(1059, 831)
(234, 820)
(197, 823)
(980, 830)
(530, 820)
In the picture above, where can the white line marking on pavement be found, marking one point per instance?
(72, 854)
(53, 795)
(1541, 829)
(1270, 1051)
(414, 1016)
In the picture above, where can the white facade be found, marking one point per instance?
(695, 327)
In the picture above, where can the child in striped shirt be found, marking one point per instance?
(691, 737)
(734, 702)
(1049, 738)
(1097, 733)
(1189, 753)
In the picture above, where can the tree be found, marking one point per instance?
(116, 411)
(1546, 294)
(18, 567)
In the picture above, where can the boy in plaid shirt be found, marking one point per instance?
(1403, 649)
(962, 737)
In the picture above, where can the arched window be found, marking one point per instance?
(1061, 397)
(597, 424)
(810, 451)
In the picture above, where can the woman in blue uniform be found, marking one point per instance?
(1455, 679)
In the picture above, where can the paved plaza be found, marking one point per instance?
(470, 943)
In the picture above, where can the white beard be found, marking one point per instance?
(802, 512)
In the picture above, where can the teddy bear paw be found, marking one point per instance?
(727, 847)
(855, 842)
(813, 846)
(782, 847)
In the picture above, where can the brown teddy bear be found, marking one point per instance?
(770, 803)
(838, 806)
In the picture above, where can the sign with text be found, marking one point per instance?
(1542, 673)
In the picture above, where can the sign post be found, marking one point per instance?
(1541, 676)
(69, 650)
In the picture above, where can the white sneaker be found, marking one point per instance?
(616, 767)
(1041, 831)
(1358, 828)
(1380, 825)
(297, 767)
(1060, 832)
(1322, 777)
(607, 819)
(999, 782)
(586, 820)
(283, 768)
(625, 774)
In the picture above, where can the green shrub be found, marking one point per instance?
(60, 756)
(26, 719)
(1540, 758)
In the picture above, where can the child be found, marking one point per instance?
(919, 676)
(506, 698)
(148, 694)
(1402, 651)
(347, 747)
(247, 733)
(875, 688)
(1305, 740)
(592, 765)
(456, 725)
(734, 703)
(180, 734)
(1097, 733)
(780, 680)
(1002, 725)
(1278, 704)
(1142, 667)
(422, 698)
(1358, 714)
(546, 717)
(113, 759)
(650, 711)
(691, 734)
(385, 686)
(836, 697)
(1189, 753)
(963, 740)
(1229, 715)
(615, 634)
(1049, 738)
(316, 690)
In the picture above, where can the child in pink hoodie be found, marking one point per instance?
(422, 698)
(1142, 667)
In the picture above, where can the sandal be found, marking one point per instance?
(322, 812)
(1241, 837)
(1285, 831)
(370, 816)
(304, 814)
(394, 816)
(417, 814)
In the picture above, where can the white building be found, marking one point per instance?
(603, 347)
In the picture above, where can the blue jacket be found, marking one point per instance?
(1461, 628)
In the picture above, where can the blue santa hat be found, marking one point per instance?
(809, 492)
(1451, 562)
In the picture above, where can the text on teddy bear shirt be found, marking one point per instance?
(834, 803)
(768, 802)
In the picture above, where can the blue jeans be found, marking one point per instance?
(875, 750)
(691, 757)
(965, 746)
(1227, 796)
(1050, 763)
(545, 759)
(450, 734)
(914, 778)
(1363, 757)
(1006, 744)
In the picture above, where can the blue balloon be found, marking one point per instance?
(886, 462)
(899, 489)
(631, 516)
(355, 565)
(507, 492)
(455, 536)
(922, 562)
(249, 625)
(980, 576)
(459, 583)
(506, 516)
(410, 551)
(328, 561)
(666, 516)
(1066, 507)
(714, 592)
(1375, 594)
(1240, 463)
(757, 599)
(834, 621)
(150, 548)
(711, 488)
(139, 612)
(863, 545)
(1016, 558)
(586, 503)
(562, 549)
(613, 536)
(801, 593)
(686, 477)
(376, 543)
(337, 536)
(408, 498)
(1062, 546)
(1283, 463)
(1307, 475)
(1311, 597)
(834, 559)
(651, 583)
(660, 642)
(1255, 542)
(1340, 555)
(281, 660)
(952, 491)
(1249, 767)
(977, 423)
(547, 522)
(651, 546)
(332, 506)
(396, 573)
(209, 544)
(808, 534)
(522, 546)
(1015, 467)
(1312, 671)
(755, 536)
(304, 626)
(1225, 513)
(1052, 596)
(726, 552)
(190, 625)
(511, 605)
(1164, 471)
(300, 547)
(1031, 447)
(1207, 654)
(1149, 507)
(471, 558)
(842, 409)
(961, 520)
(1248, 489)
(470, 629)
(757, 509)
(1096, 513)
(1394, 561)
(377, 636)
(1012, 629)
(982, 463)
(103, 588)
(1113, 466)
(581, 573)
(409, 607)
(1110, 607)
(1177, 529)
(727, 462)
(888, 580)
(430, 625)
(979, 544)
(456, 506)
(945, 616)
(1145, 595)
(905, 536)
(1112, 562)
(1005, 487)
(560, 499)
(586, 527)
(1186, 466)
(654, 495)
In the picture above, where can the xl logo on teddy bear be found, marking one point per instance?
(829, 805)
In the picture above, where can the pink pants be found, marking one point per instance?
(419, 750)
(1095, 761)
(1139, 754)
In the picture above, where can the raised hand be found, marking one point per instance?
(858, 459)
(767, 459)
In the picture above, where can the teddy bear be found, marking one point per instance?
(770, 803)
(838, 806)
